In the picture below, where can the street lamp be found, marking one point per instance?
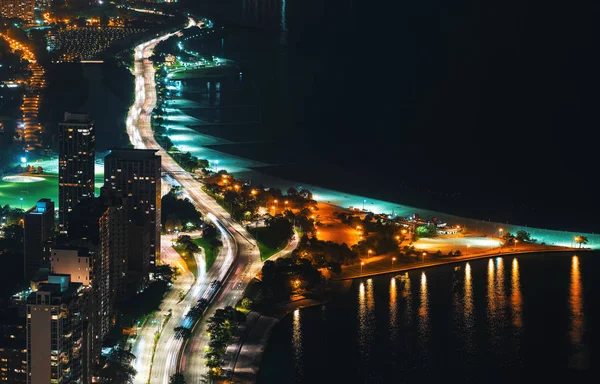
(424, 254)
(500, 230)
(361, 266)
(369, 252)
(364, 201)
(393, 259)
(516, 241)
(468, 246)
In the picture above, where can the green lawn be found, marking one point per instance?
(190, 260)
(208, 252)
(265, 252)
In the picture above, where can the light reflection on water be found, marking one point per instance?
(366, 320)
(491, 292)
(516, 300)
(423, 320)
(393, 310)
(297, 343)
(577, 328)
(468, 304)
(406, 294)
(482, 322)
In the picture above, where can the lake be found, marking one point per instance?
(494, 320)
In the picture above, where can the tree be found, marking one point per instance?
(424, 231)
(509, 238)
(524, 236)
(306, 194)
(118, 367)
(177, 378)
(581, 240)
(182, 332)
(203, 164)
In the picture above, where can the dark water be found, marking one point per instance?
(505, 319)
(480, 109)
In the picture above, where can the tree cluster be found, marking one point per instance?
(282, 277)
(117, 368)
(221, 326)
(278, 232)
(521, 236)
(179, 213)
(244, 200)
(425, 231)
(177, 378)
(325, 253)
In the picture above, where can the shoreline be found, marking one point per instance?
(459, 259)
(345, 284)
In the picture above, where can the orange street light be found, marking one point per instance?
(393, 259)
(404, 231)
(397, 237)
(272, 207)
(361, 266)
(276, 201)
(370, 251)
(297, 283)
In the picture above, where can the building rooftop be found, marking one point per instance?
(80, 118)
(133, 154)
(59, 286)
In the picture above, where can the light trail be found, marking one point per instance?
(236, 242)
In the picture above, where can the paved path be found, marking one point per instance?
(249, 347)
(383, 265)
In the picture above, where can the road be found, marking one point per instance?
(142, 348)
(238, 248)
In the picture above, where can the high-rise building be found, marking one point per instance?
(90, 228)
(21, 9)
(13, 352)
(138, 259)
(77, 156)
(38, 232)
(136, 174)
(57, 334)
(78, 263)
(73, 261)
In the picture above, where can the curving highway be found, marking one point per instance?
(236, 264)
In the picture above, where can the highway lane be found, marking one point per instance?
(142, 348)
(237, 242)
